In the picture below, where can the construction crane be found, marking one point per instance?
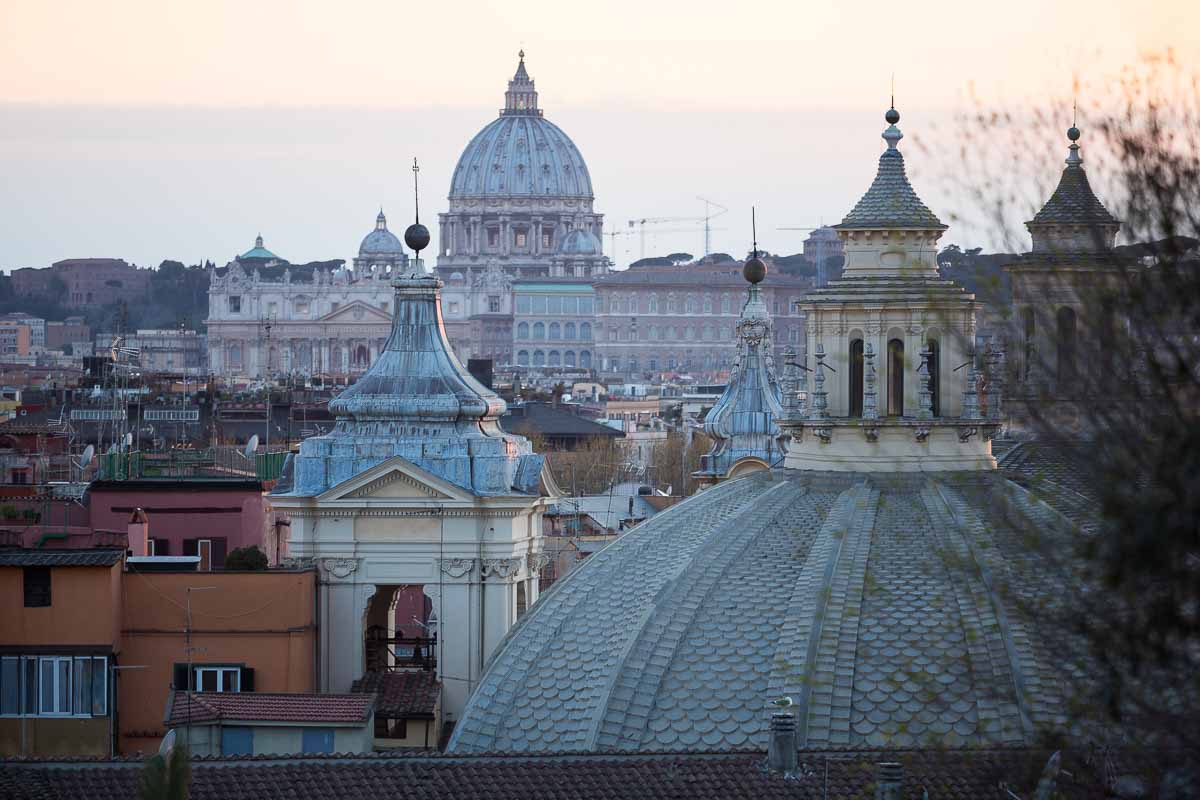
(822, 278)
(642, 223)
(612, 242)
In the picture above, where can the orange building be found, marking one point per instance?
(90, 646)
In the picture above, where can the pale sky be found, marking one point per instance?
(165, 129)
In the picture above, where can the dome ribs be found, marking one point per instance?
(1004, 717)
(813, 662)
(632, 691)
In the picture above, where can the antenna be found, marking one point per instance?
(893, 90)
(754, 230)
(1075, 113)
(416, 192)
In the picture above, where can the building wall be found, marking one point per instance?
(183, 509)
(277, 739)
(262, 620)
(14, 339)
(84, 608)
(48, 736)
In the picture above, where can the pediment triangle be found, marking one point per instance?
(357, 311)
(396, 478)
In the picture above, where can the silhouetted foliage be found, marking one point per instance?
(246, 558)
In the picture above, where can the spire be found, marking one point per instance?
(381, 221)
(521, 97)
(1073, 204)
(891, 202)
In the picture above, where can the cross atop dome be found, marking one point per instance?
(521, 97)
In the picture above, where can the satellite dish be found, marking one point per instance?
(89, 453)
(251, 446)
(168, 744)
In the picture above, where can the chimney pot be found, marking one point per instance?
(781, 749)
(891, 781)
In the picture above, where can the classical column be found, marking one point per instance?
(505, 234)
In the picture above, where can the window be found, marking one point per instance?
(37, 587)
(1066, 347)
(895, 378)
(653, 304)
(523, 330)
(569, 331)
(856, 378)
(302, 307)
(235, 304)
(10, 686)
(54, 686)
(586, 305)
(935, 381)
(523, 358)
(585, 359)
(493, 237)
(493, 304)
(585, 330)
(271, 309)
(547, 237)
(708, 304)
(570, 305)
(317, 740)
(569, 358)
(218, 679)
(539, 304)
(237, 740)
(725, 304)
(539, 358)
(554, 359)
(522, 304)
(519, 237)
(554, 305)
(539, 330)
(555, 331)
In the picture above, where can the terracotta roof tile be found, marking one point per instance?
(266, 707)
(60, 558)
(401, 694)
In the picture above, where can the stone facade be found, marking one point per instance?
(554, 324)
(89, 282)
(267, 317)
(682, 318)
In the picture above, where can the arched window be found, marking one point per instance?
(555, 359)
(585, 359)
(585, 331)
(653, 333)
(569, 358)
(708, 304)
(725, 304)
(523, 358)
(235, 355)
(856, 378)
(539, 330)
(569, 331)
(895, 368)
(555, 331)
(523, 330)
(361, 356)
(670, 304)
(539, 358)
(653, 304)
(691, 304)
(935, 378)
(1066, 347)
(1029, 326)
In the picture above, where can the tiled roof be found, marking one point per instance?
(265, 707)
(1073, 202)
(60, 558)
(816, 586)
(943, 775)
(891, 201)
(546, 420)
(401, 694)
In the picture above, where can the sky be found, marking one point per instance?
(162, 129)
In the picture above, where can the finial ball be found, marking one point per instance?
(1073, 133)
(754, 271)
(892, 116)
(416, 236)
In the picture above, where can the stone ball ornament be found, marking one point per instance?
(892, 116)
(755, 271)
(416, 236)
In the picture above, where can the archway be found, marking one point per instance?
(895, 403)
(856, 378)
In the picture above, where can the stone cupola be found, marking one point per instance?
(1073, 220)
(744, 423)
(890, 380)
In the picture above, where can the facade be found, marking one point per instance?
(15, 338)
(179, 352)
(821, 247)
(521, 206)
(260, 723)
(682, 319)
(269, 317)
(88, 282)
(1073, 237)
(70, 331)
(416, 486)
(37, 329)
(553, 324)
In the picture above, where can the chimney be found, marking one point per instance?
(890, 782)
(139, 533)
(781, 750)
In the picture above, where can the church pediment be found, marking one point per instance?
(357, 311)
(395, 479)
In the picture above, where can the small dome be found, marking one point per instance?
(258, 251)
(381, 241)
(580, 243)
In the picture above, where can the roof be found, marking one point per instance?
(60, 558)
(726, 275)
(818, 586)
(265, 707)
(402, 694)
(891, 202)
(1073, 201)
(608, 511)
(547, 420)
(945, 775)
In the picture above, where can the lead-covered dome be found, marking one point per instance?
(885, 605)
(521, 153)
(580, 243)
(381, 241)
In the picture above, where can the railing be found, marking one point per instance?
(406, 652)
(213, 462)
